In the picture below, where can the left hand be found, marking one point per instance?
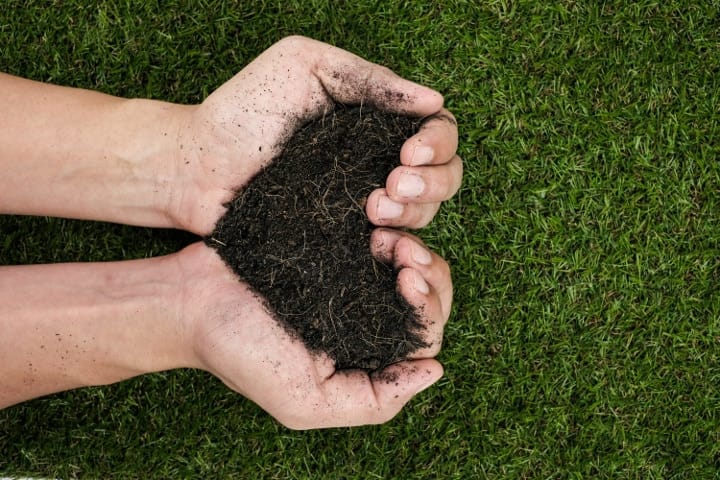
(241, 127)
(234, 337)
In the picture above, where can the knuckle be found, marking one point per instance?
(434, 348)
(384, 71)
(443, 188)
(384, 415)
(459, 168)
(450, 116)
(420, 219)
(444, 267)
(457, 164)
(404, 245)
(442, 119)
(294, 42)
(427, 213)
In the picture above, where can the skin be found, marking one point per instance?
(81, 154)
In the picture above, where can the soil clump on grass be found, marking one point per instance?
(298, 234)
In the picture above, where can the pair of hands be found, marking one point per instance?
(222, 144)
(144, 162)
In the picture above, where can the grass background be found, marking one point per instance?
(585, 242)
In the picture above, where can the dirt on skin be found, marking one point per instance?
(298, 234)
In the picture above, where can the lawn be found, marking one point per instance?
(584, 243)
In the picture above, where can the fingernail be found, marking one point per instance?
(421, 255)
(410, 185)
(422, 155)
(421, 285)
(388, 210)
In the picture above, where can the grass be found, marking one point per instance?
(585, 242)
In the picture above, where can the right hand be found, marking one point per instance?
(242, 126)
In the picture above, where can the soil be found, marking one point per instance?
(298, 234)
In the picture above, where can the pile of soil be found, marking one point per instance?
(298, 234)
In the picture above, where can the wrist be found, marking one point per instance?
(207, 289)
(149, 292)
(150, 145)
(69, 152)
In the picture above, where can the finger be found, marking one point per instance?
(427, 184)
(311, 74)
(353, 398)
(435, 142)
(353, 80)
(395, 385)
(418, 293)
(387, 212)
(406, 250)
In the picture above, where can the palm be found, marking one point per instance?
(236, 335)
(240, 127)
(236, 339)
(222, 144)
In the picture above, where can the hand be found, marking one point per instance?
(238, 129)
(238, 341)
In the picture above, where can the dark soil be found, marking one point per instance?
(299, 235)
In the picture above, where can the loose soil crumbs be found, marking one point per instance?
(299, 236)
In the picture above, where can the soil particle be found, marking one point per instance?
(298, 234)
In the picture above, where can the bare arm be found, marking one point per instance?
(65, 326)
(75, 153)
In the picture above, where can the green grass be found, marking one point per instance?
(585, 242)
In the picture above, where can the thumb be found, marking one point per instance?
(397, 384)
(351, 398)
(350, 79)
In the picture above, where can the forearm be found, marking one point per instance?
(81, 154)
(65, 326)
